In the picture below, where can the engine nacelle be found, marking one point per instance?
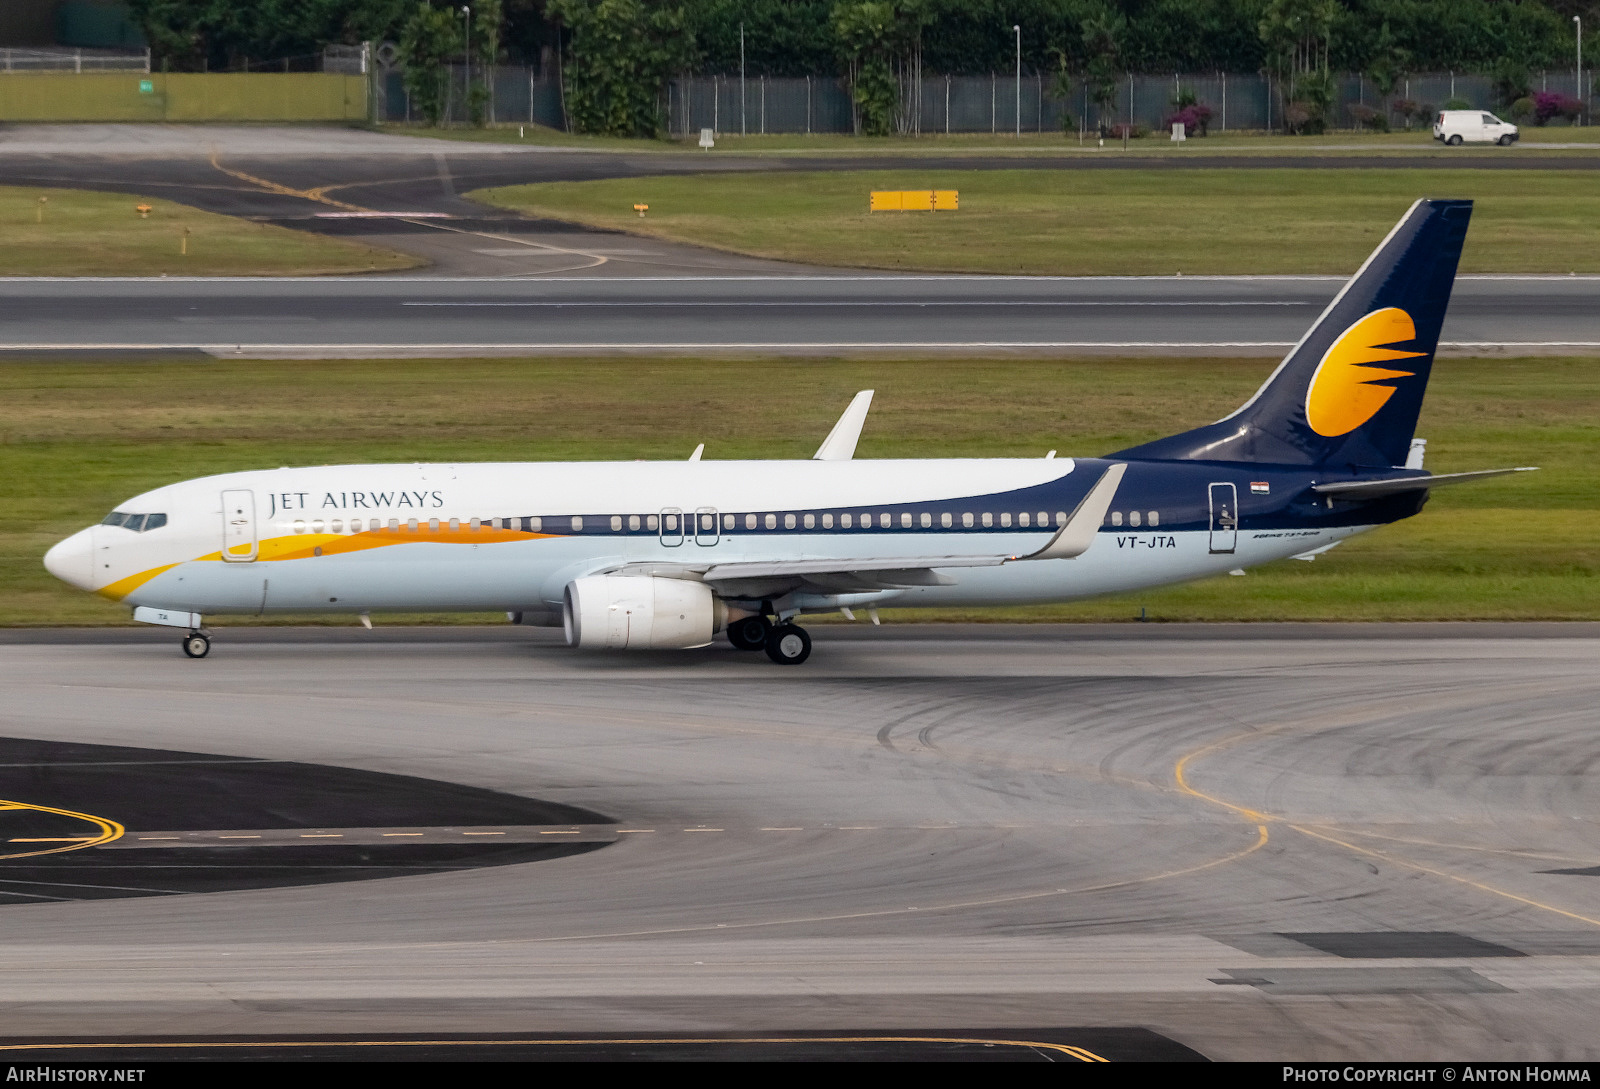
(621, 612)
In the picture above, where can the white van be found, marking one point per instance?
(1455, 127)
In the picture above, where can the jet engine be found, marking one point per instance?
(621, 612)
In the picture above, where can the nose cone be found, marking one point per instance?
(72, 561)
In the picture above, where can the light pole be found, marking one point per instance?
(466, 81)
(1018, 30)
(741, 80)
(1579, 95)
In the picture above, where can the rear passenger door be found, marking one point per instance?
(1224, 518)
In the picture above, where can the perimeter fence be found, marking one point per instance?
(74, 60)
(1002, 103)
(997, 103)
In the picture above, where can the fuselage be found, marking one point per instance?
(367, 538)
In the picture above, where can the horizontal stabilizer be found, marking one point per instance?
(1373, 489)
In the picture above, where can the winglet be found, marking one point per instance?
(698, 450)
(840, 445)
(1079, 533)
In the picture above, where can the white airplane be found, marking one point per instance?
(667, 554)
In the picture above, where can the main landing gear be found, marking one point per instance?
(749, 633)
(197, 644)
(786, 644)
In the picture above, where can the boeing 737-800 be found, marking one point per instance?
(667, 554)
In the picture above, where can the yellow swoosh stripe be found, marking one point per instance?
(302, 546)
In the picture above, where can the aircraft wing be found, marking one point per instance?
(765, 578)
(1373, 489)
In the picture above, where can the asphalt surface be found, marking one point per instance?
(1361, 843)
(384, 317)
(502, 285)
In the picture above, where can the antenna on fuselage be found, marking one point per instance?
(698, 450)
(840, 445)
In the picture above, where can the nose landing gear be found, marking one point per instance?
(197, 644)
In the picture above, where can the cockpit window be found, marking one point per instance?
(139, 523)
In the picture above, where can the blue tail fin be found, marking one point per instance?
(1350, 391)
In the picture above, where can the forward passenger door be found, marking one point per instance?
(239, 538)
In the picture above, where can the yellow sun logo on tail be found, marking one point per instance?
(1344, 393)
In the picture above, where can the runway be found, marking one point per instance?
(1357, 842)
(832, 313)
(502, 285)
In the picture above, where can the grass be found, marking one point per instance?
(1417, 141)
(78, 438)
(1120, 222)
(79, 232)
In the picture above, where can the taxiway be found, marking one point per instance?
(1317, 842)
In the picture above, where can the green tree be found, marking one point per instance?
(488, 22)
(190, 35)
(1298, 35)
(1388, 63)
(429, 41)
(1061, 88)
(1103, 35)
(620, 55)
(878, 41)
(1511, 80)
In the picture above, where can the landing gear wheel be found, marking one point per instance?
(788, 644)
(749, 633)
(196, 645)
(1454, 141)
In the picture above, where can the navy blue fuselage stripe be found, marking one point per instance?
(1179, 493)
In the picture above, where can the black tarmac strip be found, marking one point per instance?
(921, 632)
(880, 1045)
(435, 180)
(200, 822)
